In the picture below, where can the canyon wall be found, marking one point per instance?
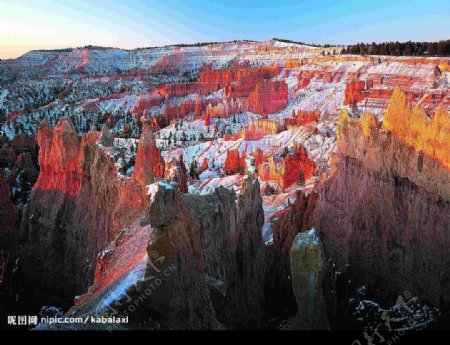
(77, 206)
(215, 243)
(268, 97)
(9, 214)
(384, 213)
(294, 219)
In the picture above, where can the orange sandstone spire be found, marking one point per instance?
(410, 124)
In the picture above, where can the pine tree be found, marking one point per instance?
(431, 49)
(193, 169)
(301, 178)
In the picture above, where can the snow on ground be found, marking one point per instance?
(3, 94)
(126, 267)
(271, 205)
(324, 97)
(207, 186)
(125, 104)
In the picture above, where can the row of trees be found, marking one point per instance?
(441, 48)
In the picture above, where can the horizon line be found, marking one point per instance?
(206, 43)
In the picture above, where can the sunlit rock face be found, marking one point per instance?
(295, 168)
(429, 136)
(181, 128)
(58, 158)
(268, 97)
(149, 163)
(384, 214)
(78, 205)
(176, 171)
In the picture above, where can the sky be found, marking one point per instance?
(45, 24)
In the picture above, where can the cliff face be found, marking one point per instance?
(385, 209)
(268, 97)
(76, 208)
(149, 163)
(307, 266)
(176, 171)
(412, 126)
(295, 219)
(238, 80)
(196, 263)
(215, 244)
(8, 211)
(295, 167)
(182, 299)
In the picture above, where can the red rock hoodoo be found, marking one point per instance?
(268, 97)
(149, 162)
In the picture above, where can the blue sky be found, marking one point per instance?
(47, 24)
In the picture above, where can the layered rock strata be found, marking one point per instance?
(384, 213)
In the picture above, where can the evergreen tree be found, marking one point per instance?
(431, 49)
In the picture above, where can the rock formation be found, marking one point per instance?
(302, 118)
(307, 265)
(293, 220)
(182, 300)
(216, 246)
(239, 80)
(149, 163)
(234, 163)
(258, 129)
(384, 214)
(411, 125)
(268, 97)
(295, 167)
(176, 171)
(8, 211)
(78, 205)
(354, 92)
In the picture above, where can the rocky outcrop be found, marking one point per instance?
(234, 163)
(384, 213)
(9, 214)
(294, 167)
(258, 129)
(149, 162)
(412, 126)
(294, 219)
(249, 255)
(268, 97)
(77, 206)
(302, 118)
(238, 80)
(176, 171)
(354, 92)
(307, 265)
(215, 244)
(58, 158)
(182, 300)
